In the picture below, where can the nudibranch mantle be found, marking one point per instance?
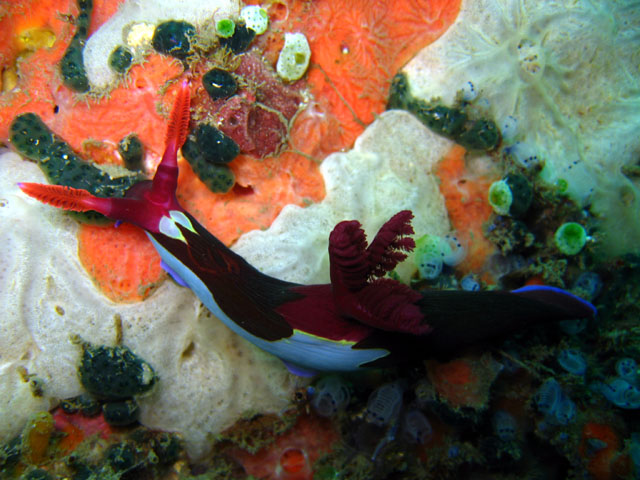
(356, 321)
(320, 353)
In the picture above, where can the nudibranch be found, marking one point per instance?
(359, 320)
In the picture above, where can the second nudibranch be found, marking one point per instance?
(358, 320)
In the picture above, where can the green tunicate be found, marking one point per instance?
(570, 238)
(500, 197)
(219, 83)
(240, 40)
(120, 59)
(451, 122)
(132, 152)
(120, 414)
(511, 196)
(562, 185)
(71, 64)
(114, 372)
(174, 38)
(33, 139)
(225, 27)
(428, 256)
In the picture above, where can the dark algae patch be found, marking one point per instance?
(114, 372)
(72, 68)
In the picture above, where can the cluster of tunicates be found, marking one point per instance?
(432, 252)
(208, 151)
(554, 403)
(385, 410)
(456, 123)
(623, 390)
(113, 376)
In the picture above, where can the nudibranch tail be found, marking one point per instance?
(67, 198)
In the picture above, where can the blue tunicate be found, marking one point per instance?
(572, 361)
(453, 252)
(548, 396)
(588, 285)
(504, 425)
(566, 410)
(469, 92)
(331, 395)
(509, 128)
(469, 283)
(627, 369)
(554, 403)
(384, 404)
(524, 154)
(416, 427)
(621, 393)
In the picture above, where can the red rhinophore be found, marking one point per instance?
(67, 198)
(146, 202)
(165, 180)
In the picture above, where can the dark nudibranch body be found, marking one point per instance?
(361, 319)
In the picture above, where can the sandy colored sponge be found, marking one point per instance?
(208, 376)
(388, 170)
